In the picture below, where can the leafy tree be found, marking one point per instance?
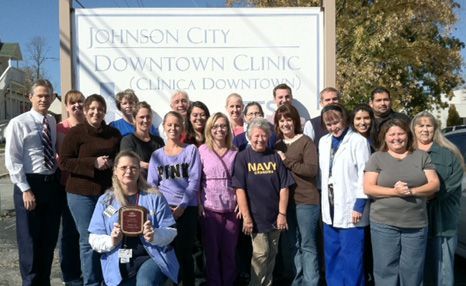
(404, 45)
(453, 116)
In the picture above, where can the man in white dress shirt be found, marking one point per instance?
(30, 159)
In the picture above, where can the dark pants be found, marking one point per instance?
(37, 230)
(285, 268)
(70, 263)
(184, 241)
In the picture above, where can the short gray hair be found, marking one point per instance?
(260, 123)
(182, 92)
(41, 82)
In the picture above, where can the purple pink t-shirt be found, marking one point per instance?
(217, 193)
(177, 177)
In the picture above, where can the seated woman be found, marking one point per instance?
(150, 260)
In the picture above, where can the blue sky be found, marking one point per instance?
(21, 20)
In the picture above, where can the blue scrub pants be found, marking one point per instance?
(344, 255)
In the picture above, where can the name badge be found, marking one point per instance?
(109, 211)
(125, 255)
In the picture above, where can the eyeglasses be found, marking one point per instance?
(222, 126)
(132, 169)
(254, 114)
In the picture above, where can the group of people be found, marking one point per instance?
(382, 189)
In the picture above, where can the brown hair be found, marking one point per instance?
(281, 86)
(287, 111)
(95, 97)
(399, 123)
(329, 89)
(329, 112)
(73, 95)
(141, 105)
(127, 94)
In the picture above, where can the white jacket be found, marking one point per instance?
(348, 173)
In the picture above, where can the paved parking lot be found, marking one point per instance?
(9, 269)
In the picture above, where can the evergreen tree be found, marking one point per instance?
(453, 116)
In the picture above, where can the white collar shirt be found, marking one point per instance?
(24, 151)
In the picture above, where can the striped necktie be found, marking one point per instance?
(49, 158)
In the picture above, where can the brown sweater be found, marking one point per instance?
(301, 160)
(80, 148)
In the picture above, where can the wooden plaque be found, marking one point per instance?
(132, 220)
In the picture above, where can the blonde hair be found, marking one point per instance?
(209, 141)
(142, 185)
(234, 95)
(439, 138)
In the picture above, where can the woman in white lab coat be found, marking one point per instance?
(342, 157)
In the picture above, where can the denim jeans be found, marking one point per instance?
(149, 274)
(398, 254)
(82, 208)
(307, 257)
(440, 261)
(70, 263)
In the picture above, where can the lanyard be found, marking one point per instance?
(332, 158)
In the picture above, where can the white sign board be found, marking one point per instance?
(209, 53)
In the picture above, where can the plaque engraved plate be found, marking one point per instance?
(132, 220)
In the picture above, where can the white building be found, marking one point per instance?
(13, 94)
(459, 100)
